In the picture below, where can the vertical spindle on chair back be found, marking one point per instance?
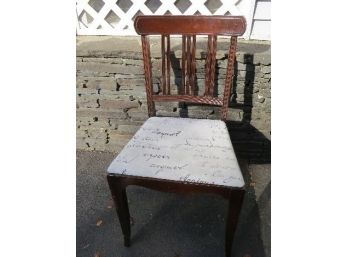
(189, 27)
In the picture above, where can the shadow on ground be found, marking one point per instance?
(170, 225)
(166, 225)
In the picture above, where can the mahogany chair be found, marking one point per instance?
(183, 155)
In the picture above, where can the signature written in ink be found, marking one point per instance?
(207, 156)
(142, 146)
(162, 134)
(150, 156)
(187, 178)
(162, 167)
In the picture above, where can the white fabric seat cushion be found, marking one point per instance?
(181, 149)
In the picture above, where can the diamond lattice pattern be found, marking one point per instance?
(110, 17)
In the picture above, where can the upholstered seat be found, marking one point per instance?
(181, 149)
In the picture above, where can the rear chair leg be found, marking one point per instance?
(119, 196)
(234, 207)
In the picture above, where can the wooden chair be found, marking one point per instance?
(183, 155)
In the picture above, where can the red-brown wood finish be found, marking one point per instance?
(222, 25)
(119, 183)
(194, 25)
(188, 27)
(210, 66)
(148, 75)
(229, 75)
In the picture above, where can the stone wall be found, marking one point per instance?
(111, 99)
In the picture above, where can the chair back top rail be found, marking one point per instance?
(194, 25)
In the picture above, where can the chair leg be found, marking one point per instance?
(119, 196)
(234, 207)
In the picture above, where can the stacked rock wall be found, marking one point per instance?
(111, 99)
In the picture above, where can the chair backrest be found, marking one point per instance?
(189, 27)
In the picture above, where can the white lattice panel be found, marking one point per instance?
(111, 17)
